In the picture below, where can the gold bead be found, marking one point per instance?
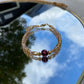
(49, 57)
(27, 49)
(39, 59)
(39, 54)
(49, 52)
(42, 25)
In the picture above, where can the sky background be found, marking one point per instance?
(68, 64)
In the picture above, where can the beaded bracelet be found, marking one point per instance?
(44, 55)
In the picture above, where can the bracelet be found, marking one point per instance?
(44, 55)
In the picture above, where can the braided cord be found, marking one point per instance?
(33, 54)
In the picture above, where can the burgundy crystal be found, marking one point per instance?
(44, 53)
(45, 59)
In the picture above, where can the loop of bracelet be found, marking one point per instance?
(46, 54)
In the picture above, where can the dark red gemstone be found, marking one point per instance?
(44, 53)
(45, 59)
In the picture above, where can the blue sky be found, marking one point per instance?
(68, 65)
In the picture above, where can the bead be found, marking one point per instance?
(45, 59)
(49, 52)
(39, 54)
(49, 57)
(39, 59)
(44, 53)
(42, 25)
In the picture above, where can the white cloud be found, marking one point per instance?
(72, 28)
(74, 57)
(74, 53)
(39, 73)
(48, 16)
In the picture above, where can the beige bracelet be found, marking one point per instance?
(44, 55)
